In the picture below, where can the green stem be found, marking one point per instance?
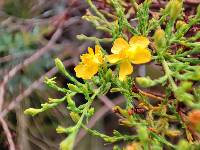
(96, 10)
(168, 74)
(110, 139)
(104, 40)
(87, 106)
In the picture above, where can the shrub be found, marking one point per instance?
(162, 40)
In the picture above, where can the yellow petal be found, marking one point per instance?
(139, 40)
(86, 71)
(97, 49)
(125, 69)
(90, 51)
(113, 58)
(79, 69)
(119, 45)
(98, 54)
(86, 57)
(141, 55)
(90, 70)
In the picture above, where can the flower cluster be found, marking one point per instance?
(125, 54)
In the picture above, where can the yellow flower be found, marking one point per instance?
(90, 63)
(125, 53)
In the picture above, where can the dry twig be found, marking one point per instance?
(32, 87)
(8, 134)
(27, 62)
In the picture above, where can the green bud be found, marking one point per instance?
(182, 95)
(109, 139)
(59, 65)
(186, 85)
(195, 76)
(50, 81)
(91, 111)
(125, 122)
(182, 28)
(121, 111)
(68, 143)
(74, 88)
(116, 147)
(187, 98)
(75, 116)
(109, 75)
(70, 102)
(115, 90)
(116, 133)
(51, 100)
(174, 8)
(143, 134)
(32, 111)
(144, 81)
(183, 145)
(180, 24)
(172, 133)
(159, 38)
(90, 18)
(45, 106)
(81, 37)
(60, 129)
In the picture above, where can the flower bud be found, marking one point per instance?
(180, 24)
(183, 145)
(68, 143)
(186, 85)
(75, 116)
(113, 90)
(143, 134)
(91, 111)
(182, 28)
(173, 133)
(109, 75)
(32, 111)
(174, 8)
(70, 102)
(60, 129)
(134, 146)
(144, 81)
(120, 111)
(194, 118)
(159, 38)
(73, 88)
(116, 147)
(125, 122)
(52, 100)
(182, 95)
(59, 65)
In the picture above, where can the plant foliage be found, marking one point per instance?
(171, 48)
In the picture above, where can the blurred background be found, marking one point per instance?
(32, 34)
